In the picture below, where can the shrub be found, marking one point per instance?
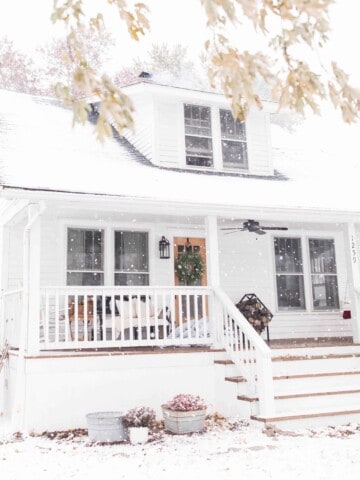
(186, 402)
(140, 417)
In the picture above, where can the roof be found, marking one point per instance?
(41, 150)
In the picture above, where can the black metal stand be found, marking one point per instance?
(256, 313)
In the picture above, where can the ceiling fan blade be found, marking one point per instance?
(274, 228)
(233, 228)
(260, 231)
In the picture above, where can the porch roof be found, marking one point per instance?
(40, 150)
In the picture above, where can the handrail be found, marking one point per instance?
(251, 333)
(249, 352)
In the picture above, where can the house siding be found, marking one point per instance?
(247, 266)
(14, 241)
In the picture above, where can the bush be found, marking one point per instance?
(140, 417)
(186, 402)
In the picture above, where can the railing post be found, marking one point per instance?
(265, 385)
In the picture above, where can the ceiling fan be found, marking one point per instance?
(253, 226)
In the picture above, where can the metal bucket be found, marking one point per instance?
(183, 422)
(106, 427)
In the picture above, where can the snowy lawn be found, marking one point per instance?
(223, 451)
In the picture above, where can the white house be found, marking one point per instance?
(92, 318)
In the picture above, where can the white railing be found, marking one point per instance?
(94, 317)
(10, 317)
(247, 350)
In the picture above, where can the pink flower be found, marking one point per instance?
(186, 402)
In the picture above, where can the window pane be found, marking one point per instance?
(131, 251)
(198, 151)
(234, 154)
(136, 279)
(197, 120)
(288, 255)
(231, 128)
(325, 292)
(290, 291)
(85, 249)
(85, 278)
(322, 255)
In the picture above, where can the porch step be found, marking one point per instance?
(319, 386)
(314, 418)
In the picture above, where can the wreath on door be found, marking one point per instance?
(189, 268)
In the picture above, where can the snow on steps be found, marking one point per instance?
(313, 387)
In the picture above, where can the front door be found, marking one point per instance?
(189, 309)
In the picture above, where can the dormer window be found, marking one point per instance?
(221, 145)
(233, 141)
(198, 137)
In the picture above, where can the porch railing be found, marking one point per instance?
(89, 317)
(247, 350)
(10, 317)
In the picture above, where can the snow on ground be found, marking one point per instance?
(222, 453)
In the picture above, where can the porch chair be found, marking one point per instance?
(133, 309)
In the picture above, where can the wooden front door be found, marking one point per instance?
(188, 244)
(187, 307)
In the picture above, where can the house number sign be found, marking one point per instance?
(353, 250)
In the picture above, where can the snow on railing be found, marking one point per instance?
(10, 313)
(93, 317)
(247, 350)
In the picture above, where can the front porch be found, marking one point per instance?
(112, 332)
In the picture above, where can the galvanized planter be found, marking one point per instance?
(106, 427)
(183, 422)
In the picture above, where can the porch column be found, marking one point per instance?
(212, 251)
(31, 274)
(29, 328)
(353, 279)
(213, 271)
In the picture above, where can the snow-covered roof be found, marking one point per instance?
(40, 149)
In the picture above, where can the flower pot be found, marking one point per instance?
(138, 435)
(106, 427)
(183, 422)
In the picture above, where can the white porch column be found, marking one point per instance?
(29, 329)
(213, 271)
(353, 279)
(212, 251)
(31, 274)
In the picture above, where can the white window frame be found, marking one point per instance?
(216, 139)
(309, 305)
(224, 138)
(194, 135)
(91, 229)
(114, 270)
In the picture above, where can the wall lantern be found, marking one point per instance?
(164, 248)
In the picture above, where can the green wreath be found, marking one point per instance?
(189, 268)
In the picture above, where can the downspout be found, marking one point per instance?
(18, 414)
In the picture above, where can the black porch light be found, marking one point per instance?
(164, 248)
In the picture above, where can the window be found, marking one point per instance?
(289, 273)
(323, 274)
(131, 258)
(233, 141)
(198, 141)
(85, 257)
